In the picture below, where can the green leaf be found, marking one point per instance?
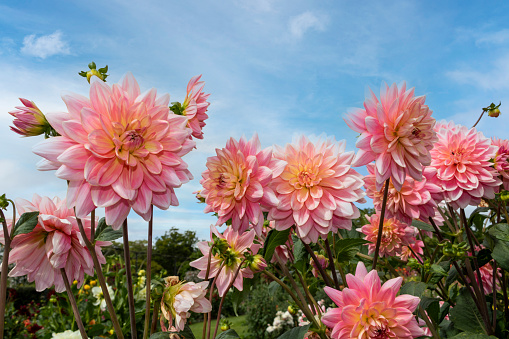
(422, 226)
(346, 249)
(432, 307)
(275, 239)
(105, 232)
(160, 335)
(239, 296)
(483, 257)
(295, 333)
(501, 254)
(414, 288)
(465, 315)
(470, 335)
(500, 231)
(185, 334)
(274, 288)
(439, 270)
(229, 334)
(299, 251)
(26, 223)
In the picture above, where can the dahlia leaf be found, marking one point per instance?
(274, 239)
(501, 254)
(239, 296)
(465, 315)
(26, 223)
(413, 288)
(470, 335)
(432, 308)
(295, 333)
(346, 249)
(500, 231)
(230, 334)
(105, 232)
(422, 226)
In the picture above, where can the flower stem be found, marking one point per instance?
(209, 315)
(130, 293)
(381, 225)
(146, 328)
(102, 281)
(328, 281)
(332, 266)
(155, 315)
(483, 111)
(428, 323)
(494, 266)
(224, 296)
(73, 304)
(205, 316)
(5, 271)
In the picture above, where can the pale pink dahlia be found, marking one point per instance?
(226, 257)
(464, 170)
(29, 120)
(487, 277)
(395, 235)
(118, 150)
(366, 309)
(317, 189)
(195, 105)
(501, 161)
(53, 244)
(396, 132)
(236, 183)
(415, 199)
(180, 298)
(416, 247)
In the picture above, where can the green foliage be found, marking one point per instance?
(465, 315)
(414, 288)
(274, 239)
(229, 334)
(295, 333)
(106, 232)
(25, 224)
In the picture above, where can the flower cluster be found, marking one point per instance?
(282, 320)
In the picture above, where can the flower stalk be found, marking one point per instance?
(72, 301)
(146, 328)
(381, 225)
(5, 271)
(328, 281)
(332, 266)
(130, 293)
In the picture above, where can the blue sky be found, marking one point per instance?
(276, 67)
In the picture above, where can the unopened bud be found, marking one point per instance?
(257, 263)
(29, 121)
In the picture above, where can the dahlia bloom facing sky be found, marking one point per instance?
(464, 170)
(231, 256)
(119, 149)
(236, 183)
(501, 161)
(396, 132)
(53, 244)
(317, 189)
(415, 199)
(366, 309)
(395, 235)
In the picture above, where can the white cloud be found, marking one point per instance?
(496, 78)
(45, 46)
(306, 21)
(494, 37)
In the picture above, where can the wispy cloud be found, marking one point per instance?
(498, 37)
(496, 77)
(45, 46)
(300, 24)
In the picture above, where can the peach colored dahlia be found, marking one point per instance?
(195, 105)
(367, 309)
(464, 170)
(415, 199)
(396, 132)
(236, 183)
(395, 235)
(317, 189)
(119, 149)
(226, 257)
(501, 161)
(53, 244)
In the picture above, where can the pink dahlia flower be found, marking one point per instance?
(415, 199)
(179, 299)
(195, 105)
(366, 309)
(119, 149)
(487, 277)
(317, 189)
(396, 132)
(53, 244)
(464, 170)
(416, 247)
(225, 261)
(501, 161)
(236, 183)
(395, 235)
(29, 120)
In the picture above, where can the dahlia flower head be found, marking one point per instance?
(464, 170)
(236, 183)
(28, 119)
(317, 188)
(415, 199)
(368, 309)
(195, 105)
(395, 235)
(53, 244)
(226, 257)
(119, 149)
(416, 247)
(180, 298)
(501, 160)
(396, 132)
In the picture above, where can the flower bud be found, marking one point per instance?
(324, 263)
(29, 121)
(494, 113)
(256, 263)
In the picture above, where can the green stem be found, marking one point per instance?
(130, 293)
(5, 271)
(148, 278)
(72, 301)
(428, 323)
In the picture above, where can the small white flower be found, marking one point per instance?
(67, 335)
(98, 294)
